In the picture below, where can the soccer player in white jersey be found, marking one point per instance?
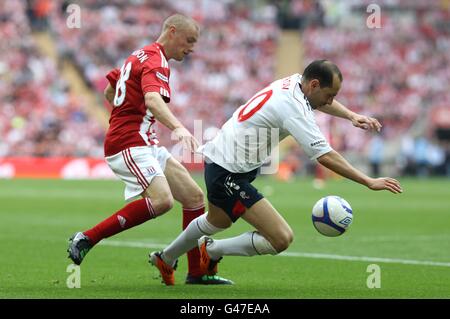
(233, 157)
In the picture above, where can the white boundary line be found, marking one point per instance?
(367, 259)
(141, 244)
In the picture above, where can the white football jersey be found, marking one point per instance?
(246, 140)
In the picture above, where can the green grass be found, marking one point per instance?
(37, 217)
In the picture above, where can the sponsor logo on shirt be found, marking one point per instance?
(162, 77)
(317, 143)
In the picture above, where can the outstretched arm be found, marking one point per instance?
(161, 112)
(338, 164)
(364, 122)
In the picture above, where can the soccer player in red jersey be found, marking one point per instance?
(138, 93)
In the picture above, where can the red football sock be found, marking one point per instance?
(131, 215)
(193, 256)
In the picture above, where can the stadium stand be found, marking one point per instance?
(233, 58)
(38, 114)
(397, 73)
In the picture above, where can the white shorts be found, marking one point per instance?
(136, 167)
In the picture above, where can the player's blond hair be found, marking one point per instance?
(180, 22)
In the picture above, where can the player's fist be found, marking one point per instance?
(385, 183)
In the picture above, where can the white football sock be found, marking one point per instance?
(188, 239)
(246, 244)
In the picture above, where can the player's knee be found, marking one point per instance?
(218, 219)
(197, 197)
(163, 203)
(194, 198)
(283, 240)
(167, 204)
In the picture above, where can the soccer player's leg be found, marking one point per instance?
(190, 195)
(272, 235)
(230, 195)
(158, 202)
(218, 217)
(140, 181)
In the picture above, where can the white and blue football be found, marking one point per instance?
(332, 216)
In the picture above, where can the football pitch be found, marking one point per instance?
(397, 247)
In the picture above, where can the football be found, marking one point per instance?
(332, 215)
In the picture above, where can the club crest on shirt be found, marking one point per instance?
(244, 195)
(151, 170)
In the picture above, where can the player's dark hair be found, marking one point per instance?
(322, 70)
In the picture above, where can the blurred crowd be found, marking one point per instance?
(398, 73)
(233, 58)
(38, 114)
(41, 117)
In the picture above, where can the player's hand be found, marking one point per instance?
(366, 123)
(385, 183)
(185, 137)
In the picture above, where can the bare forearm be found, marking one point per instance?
(338, 164)
(161, 112)
(334, 161)
(159, 109)
(109, 93)
(337, 109)
(364, 122)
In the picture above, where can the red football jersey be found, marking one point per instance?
(145, 70)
